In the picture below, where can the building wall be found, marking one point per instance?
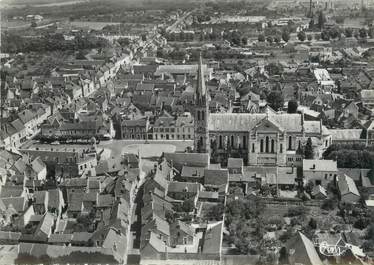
(350, 198)
(324, 177)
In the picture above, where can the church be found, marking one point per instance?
(268, 139)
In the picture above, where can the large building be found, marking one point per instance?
(260, 139)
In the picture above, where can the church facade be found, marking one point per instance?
(267, 139)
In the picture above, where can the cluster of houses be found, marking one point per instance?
(175, 219)
(75, 214)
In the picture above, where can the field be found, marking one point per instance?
(92, 25)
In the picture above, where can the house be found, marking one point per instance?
(135, 129)
(192, 174)
(370, 202)
(347, 189)
(320, 172)
(216, 180)
(183, 190)
(178, 160)
(235, 165)
(367, 98)
(319, 192)
(44, 229)
(67, 162)
(184, 126)
(100, 128)
(41, 202)
(164, 128)
(301, 250)
(19, 204)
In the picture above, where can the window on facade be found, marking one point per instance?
(272, 145)
(281, 148)
(198, 115)
(220, 141)
(267, 144)
(202, 115)
(232, 140)
(289, 142)
(262, 145)
(244, 142)
(299, 147)
(253, 148)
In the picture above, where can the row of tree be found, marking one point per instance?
(14, 43)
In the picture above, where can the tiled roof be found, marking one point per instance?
(18, 203)
(346, 185)
(213, 240)
(345, 134)
(235, 163)
(189, 159)
(312, 127)
(319, 165)
(216, 177)
(131, 123)
(60, 238)
(195, 172)
(11, 191)
(246, 122)
(184, 186)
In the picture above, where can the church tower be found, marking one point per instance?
(201, 113)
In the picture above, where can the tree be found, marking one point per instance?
(277, 39)
(329, 204)
(309, 37)
(187, 206)
(321, 19)
(292, 106)
(276, 100)
(363, 33)
(325, 35)
(244, 41)
(301, 35)
(371, 32)
(348, 32)
(309, 187)
(335, 33)
(308, 150)
(286, 35)
(312, 223)
(317, 36)
(297, 211)
(274, 69)
(261, 38)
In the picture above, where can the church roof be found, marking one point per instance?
(248, 121)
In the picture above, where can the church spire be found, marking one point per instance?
(200, 88)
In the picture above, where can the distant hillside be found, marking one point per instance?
(37, 2)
